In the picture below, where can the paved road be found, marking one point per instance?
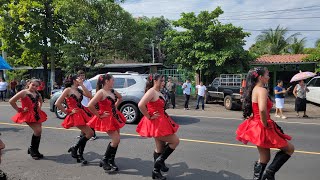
(208, 150)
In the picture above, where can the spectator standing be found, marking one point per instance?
(300, 91)
(13, 85)
(186, 91)
(85, 101)
(171, 87)
(3, 89)
(41, 89)
(280, 92)
(201, 94)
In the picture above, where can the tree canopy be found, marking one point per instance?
(205, 44)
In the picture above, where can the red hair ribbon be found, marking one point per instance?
(255, 74)
(150, 77)
(100, 78)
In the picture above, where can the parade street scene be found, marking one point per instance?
(159, 89)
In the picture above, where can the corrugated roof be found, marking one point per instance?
(281, 59)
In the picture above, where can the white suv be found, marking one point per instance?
(130, 85)
(314, 86)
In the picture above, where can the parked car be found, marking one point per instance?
(227, 88)
(314, 94)
(130, 85)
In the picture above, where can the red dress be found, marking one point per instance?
(162, 126)
(34, 113)
(113, 122)
(81, 117)
(252, 130)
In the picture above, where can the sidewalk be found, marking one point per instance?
(218, 110)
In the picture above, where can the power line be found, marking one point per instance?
(301, 30)
(315, 10)
(226, 12)
(269, 18)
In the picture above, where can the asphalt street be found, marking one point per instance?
(208, 150)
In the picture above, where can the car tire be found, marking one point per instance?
(208, 98)
(59, 113)
(131, 112)
(228, 103)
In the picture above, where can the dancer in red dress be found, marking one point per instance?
(158, 124)
(107, 119)
(77, 115)
(30, 113)
(259, 129)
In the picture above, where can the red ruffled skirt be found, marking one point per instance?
(29, 117)
(109, 123)
(162, 126)
(253, 131)
(80, 118)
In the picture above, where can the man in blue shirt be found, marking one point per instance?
(279, 93)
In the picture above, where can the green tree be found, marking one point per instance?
(297, 46)
(31, 31)
(314, 54)
(153, 32)
(206, 45)
(98, 31)
(274, 41)
(318, 43)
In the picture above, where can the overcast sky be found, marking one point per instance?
(249, 14)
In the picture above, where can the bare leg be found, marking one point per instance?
(260, 166)
(173, 140)
(159, 145)
(264, 155)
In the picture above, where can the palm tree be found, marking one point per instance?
(276, 40)
(297, 46)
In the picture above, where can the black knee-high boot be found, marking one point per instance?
(74, 149)
(104, 163)
(279, 160)
(155, 157)
(159, 163)
(81, 150)
(112, 164)
(258, 170)
(33, 150)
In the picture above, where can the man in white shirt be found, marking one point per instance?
(85, 101)
(186, 91)
(201, 94)
(3, 89)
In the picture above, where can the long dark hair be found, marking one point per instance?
(251, 81)
(101, 80)
(68, 82)
(151, 79)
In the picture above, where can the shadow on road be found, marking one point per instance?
(185, 120)
(10, 129)
(92, 157)
(12, 149)
(178, 171)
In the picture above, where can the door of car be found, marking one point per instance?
(314, 90)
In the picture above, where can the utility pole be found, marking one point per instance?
(152, 44)
(4, 56)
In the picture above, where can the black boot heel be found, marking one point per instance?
(105, 165)
(156, 174)
(163, 168)
(82, 160)
(73, 152)
(33, 154)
